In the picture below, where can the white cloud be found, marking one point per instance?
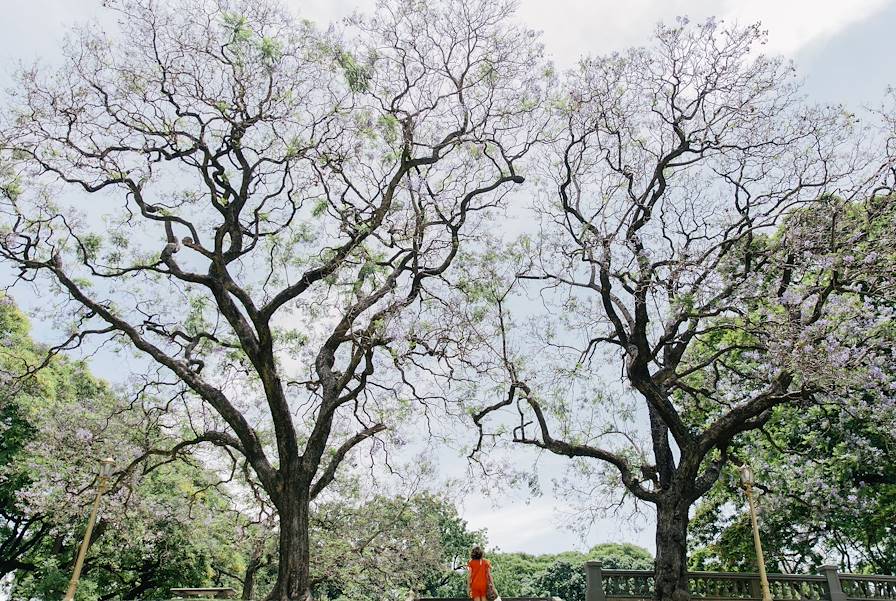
(536, 526)
(575, 27)
(793, 24)
(571, 27)
(327, 11)
(528, 527)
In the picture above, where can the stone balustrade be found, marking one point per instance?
(503, 599)
(633, 585)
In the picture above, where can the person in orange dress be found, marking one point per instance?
(480, 574)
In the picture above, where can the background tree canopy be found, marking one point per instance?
(561, 574)
(828, 492)
(826, 470)
(144, 542)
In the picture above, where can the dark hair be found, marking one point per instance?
(476, 553)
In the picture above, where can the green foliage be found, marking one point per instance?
(140, 549)
(388, 125)
(11, 187)
(144, 555)
(387, 547)
(356, 75)
(563, 579)
(824, 469)
(245, 41)
(561, 575)
(163, 555)
(320, 207)
(238, 25)
(828, 495)
(91, 246)
(271, 49)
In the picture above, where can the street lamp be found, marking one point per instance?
(746, 477)
(105, 471)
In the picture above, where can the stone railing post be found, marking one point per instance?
(834, 587)
(594, 582)
(755, 588)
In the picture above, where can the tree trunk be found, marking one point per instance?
(293, 577)
(671, 576)
(249, 579)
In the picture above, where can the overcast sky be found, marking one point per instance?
(842, 48)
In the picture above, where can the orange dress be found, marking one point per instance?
(479, 569)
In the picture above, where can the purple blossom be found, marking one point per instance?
(790, 297)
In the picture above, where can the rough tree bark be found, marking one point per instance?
(671, 549)
(293, 575)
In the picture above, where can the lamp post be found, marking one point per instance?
(746, 477)
(105, 471)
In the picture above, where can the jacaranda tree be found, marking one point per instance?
(826, 470)
(663, 257)
(258, 208)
